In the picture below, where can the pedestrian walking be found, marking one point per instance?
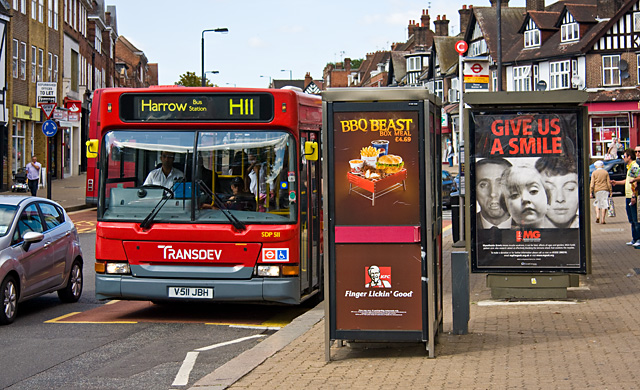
(33, 175)
(614, 149)
(630, 183)
(450, 153)
(600, 190)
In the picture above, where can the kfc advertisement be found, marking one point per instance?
(526, 192)
(376, 168)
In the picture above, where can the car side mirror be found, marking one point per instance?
(31, 238)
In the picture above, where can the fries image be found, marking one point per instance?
(369, 151)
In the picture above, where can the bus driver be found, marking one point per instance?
(166, 175)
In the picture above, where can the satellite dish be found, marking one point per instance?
(541, 85)
(624, 74)
(576, 81)
(623, 65)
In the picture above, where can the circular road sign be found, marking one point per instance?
(476, 68)
(49, 128)
(461, 47)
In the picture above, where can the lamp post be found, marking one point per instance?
(269, 80)
(223, 30)
(212, 72)
(290, 73)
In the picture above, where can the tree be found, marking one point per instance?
(190, 79)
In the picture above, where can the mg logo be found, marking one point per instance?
(532, 234)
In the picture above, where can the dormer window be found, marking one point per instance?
(531, 35)
(569, 30)
(414, 64)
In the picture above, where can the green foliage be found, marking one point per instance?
(355, 64)
(190, 79)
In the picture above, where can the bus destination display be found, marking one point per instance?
(196, 107)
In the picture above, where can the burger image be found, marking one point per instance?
(390, 163)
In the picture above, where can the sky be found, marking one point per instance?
(270, 39)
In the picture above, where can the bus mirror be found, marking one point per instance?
(92, 148)
(311, 150)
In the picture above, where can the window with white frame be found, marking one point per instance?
(65, 6)
(16, 58)
(478, 48)
(454, 92)
(49, 66)
(23, 61)
(15, 4)
(636, 21)
(611, 70)
(438, 88)
(532, 38)
(494, 80)
(603, 129)
(522, 78)
(34, 63)
(40, 65)
(55, 68)
(55, 15)
(34, 9)
(50, 13)
(569, 32)
(18, 141)
(559, 74)
(638, 67)
(414, 64)
(536, 75)
(99, 40)
(41, 11)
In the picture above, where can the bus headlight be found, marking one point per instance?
(118, 268)
(269, 270)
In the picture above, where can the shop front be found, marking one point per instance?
(608, 120)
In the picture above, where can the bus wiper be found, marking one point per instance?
(156, 209)
(239, 225)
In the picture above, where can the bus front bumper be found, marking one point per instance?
(280, 290)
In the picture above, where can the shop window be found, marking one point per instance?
(603, 129)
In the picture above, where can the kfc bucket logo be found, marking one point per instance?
(377, 277)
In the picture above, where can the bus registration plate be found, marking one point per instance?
(191, 292)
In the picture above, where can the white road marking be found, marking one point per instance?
(182, 378)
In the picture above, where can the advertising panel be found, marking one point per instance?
(527, 191)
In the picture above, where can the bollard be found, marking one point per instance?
(460, 291)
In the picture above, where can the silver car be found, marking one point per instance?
(39, 253)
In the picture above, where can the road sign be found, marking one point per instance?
(49, 128)
(48, 108)
(46, 92)
(476, 75)
(461, 47)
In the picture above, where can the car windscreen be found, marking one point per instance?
(198, 176)
(7, 213)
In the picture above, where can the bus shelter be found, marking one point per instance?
(527, 215)
(383, 216)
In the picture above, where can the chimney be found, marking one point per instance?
(307, 79)
(503, 3)
(535, 5)
(425, 18)
(442, 26)
(465, 15)
(608, 8)
(411, 28)
(347, 65)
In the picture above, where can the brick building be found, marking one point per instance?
(132, 66)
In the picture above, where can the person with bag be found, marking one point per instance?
(632, 179)
(614, 149)
(601, 189)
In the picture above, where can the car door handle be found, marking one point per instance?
(67, 233)
(46, 244)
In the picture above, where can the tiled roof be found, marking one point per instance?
(447, 54)
(486, 17)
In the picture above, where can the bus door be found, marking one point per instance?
(310, 187)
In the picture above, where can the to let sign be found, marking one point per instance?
(46, 92)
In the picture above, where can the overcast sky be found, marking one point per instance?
(267, 36)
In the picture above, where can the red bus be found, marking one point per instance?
(207, 194)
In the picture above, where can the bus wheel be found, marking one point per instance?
(72, 291)
(9, 297)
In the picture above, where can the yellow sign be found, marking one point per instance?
(26, 112)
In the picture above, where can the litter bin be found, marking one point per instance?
(455, 215)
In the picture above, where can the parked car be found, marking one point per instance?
(39, 253)
(617, 171)
(448, 186)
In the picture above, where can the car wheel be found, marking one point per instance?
(72, 291)
(9, 297)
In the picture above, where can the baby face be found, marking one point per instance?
(525, 195)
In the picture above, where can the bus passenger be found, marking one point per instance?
(166, 175)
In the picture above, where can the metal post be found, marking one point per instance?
(49, 168)
(223, 30)
(460, 292)
(460, 146)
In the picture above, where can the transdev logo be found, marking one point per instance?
(527, 236)
(275, 254)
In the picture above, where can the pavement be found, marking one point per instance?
(590, 340)
(68, 192)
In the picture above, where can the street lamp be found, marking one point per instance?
(212, 72)
(290, 73)
(223, 30)
(269, 80)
